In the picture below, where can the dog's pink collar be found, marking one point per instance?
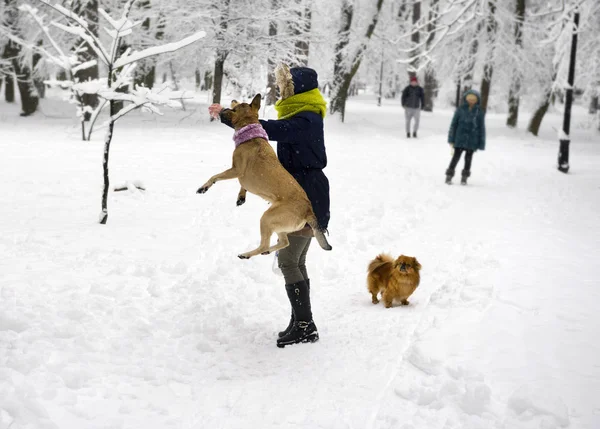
(249, 132)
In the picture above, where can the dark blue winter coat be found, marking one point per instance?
(301, 151)
(301, 146)
(467, 130)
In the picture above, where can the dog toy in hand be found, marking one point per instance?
(214, 110)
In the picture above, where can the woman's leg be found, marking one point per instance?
(454, 161)
(292, 259)
(302, 260)
(468, 159)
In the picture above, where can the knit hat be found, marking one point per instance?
(304, 78)
(414, 79)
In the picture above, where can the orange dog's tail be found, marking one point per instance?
(380, 260)
(319, 235)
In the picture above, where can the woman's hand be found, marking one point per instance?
(214, 110)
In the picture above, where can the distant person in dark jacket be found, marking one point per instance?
(301, 150)
(467, 134)
(413, 100)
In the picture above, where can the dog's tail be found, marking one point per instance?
(318, 232)
(380, 260)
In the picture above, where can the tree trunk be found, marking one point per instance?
(10, 20)
(145, 72)
(488, 68)
(344, 37)
(457, 101)
(467, 79)
(302, 32)
(380, 95)
(27, 91)
(221, 54)
(38, 79)
(538, 116)
(344, 78)
(89, 11)
(218, 74)
(513, 94)
(107, 140)
(12, 50)
(198, 78)
(594, 105)
(271, 84)
(9, 88)
(208, 81)
(415, 39)
(431, 84)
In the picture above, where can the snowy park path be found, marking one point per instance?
(152, 322)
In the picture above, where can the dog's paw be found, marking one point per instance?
(265, 253)
(202, 190)
(375, 301)
(243, 256)
(240, 201)
(404, 302)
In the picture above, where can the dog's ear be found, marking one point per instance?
(416, 264)
(256, 102)
(234, 103)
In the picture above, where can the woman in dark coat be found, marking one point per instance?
(301, 150)
(467, 134)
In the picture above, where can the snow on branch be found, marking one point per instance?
(121, 27)
(85, 35)
(59, 62)
(157, 50)
(143, 97)
(82, 31)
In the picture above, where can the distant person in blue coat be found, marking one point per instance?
(301, 150)
(467, 134)
(413, 100)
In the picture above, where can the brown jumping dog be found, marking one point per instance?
(258, 170)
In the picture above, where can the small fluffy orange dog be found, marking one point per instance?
(395, 279)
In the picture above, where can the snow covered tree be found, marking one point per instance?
(120, 66)
(515, 86)
(347, 63)
(19, 61)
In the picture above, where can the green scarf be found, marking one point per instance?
(309, 101)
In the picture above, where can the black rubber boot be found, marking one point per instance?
(449, 176)
(289, 327)
(408, 135)
(465, 175)
(415, 134)
(303, 328)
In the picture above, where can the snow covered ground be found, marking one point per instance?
(151, 321)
